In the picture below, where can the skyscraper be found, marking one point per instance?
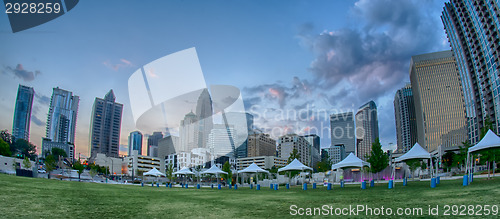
(260, 144)
(188, 133)
(153, 143)
(105, 125)
(242, 123)
(342, 131)
(22, 113)
(135, 142)
(288, 142)
(204, 114)
(439, 100)
(314, 148)
(366, 129)
(61, 120)
(404, 113)
(473, 30)
(219, 142)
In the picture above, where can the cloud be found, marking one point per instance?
(37, 121)
(123, 63)
(21, 73)
(42, 99)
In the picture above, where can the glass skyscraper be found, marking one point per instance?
(404, 113)
(472, 27)
(22, 113)
(366, 129)
(342, 131)
(135, 142)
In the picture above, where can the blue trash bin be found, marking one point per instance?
(219, 186)
(433, 183)
(251, 186)
(304, 186)
(287, 186)
(142, 184)
(363, 185)
(152, 184)
(405, 181)
(465, 181)
(391, 184)
(186, 185)
(438, 180)
(314, 185)
(198, 186)
(341, 184)
(276, 186)
(236, 187)
(258, 186)
(157, 184)
(212, 186)
(329, 186)
(271, 186)
(230, 186)
(170, 185)
(166, 185)
(372, 183)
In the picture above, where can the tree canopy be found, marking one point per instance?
(378, 159)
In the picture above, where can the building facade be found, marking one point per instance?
(153, 143)
(260, 144)
(405, 118)
(22, 112)
(220, 142)
(288, 142)
(243, 125)
(138, 164)
(473, 30)
(366, 129)
(439, 101)
(204, 112)
(336, 153)
(314, 149)
(342, 130)
(105, 126)
(135, 142)
(264, 162)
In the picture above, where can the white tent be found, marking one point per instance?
(184, 171)
(214, 170)
(416, 152)
(154, 172)
(350, 161)
(253, 168)
(490, 140)
(295, 165)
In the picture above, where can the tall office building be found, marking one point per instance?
(314, 149)
(287, 143)
(342, 131)
(61, 121)
(219, 142)
(105, 126)
(336, 153)
(260, 144)
(438, 99)
(204, 112)
(473, 30)
(243, 124)
(153, 143)
(135, 143)
(366, 129)
(406, 122)
(188, 133)
(22, 113)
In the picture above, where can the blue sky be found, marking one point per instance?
(282, 54)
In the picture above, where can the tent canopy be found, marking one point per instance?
(416, 152)
(184, 171)
(154, 172)
(350, 161)
(490, 140)
(253, 168)
(295, 165)
(214, 170)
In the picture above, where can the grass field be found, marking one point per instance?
(36, 198)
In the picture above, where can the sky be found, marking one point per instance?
(288, 58)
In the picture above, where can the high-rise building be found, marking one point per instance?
(243, 124)
(105, 126)
(366, 129)
(135, 142)
(342, 131)
(188, 133)
(153, 143)
(204, 112)
(219, 142)
(287, 143)
(406, 122)
(61, 120)
(336, 153)
(473, 29)
(22, 113)
(438, 99)
(314, 149)
(260, 144)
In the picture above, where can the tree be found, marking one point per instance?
(79, 167)
(93, 171)
(58, 152)
(5, 148)
(50, 164)
(26, 163)
(325, 164)
(490, 155)
(378, 159)
(293, 155)
(461, 157)
(170, 171)
(413, 164)
(448, 160)
(227, 168)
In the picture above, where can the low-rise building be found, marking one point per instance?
(140, 163)
(264, 162)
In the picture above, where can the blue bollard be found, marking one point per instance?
(405, 181)
(363, 185)
(433, 183)
(341, 184)
(465, 181)
(258, 186)
(152, 184)
(304, 186)
(251, 186)
(329, 186)
(212, 186)
(314, 185)
(236, 187)
(142, 184)
(472, 178)
(276, 186)
(170, 185)
(166, 185)
(198, 186)
(438, 180)
(391, 184)
(372, 183)
(186, 185)
(157, 184)
(271, 186)
(230, 186)
(219, 186)
(287, 186)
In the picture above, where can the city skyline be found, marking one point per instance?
(287, 64)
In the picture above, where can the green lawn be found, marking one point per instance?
(35, 198)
